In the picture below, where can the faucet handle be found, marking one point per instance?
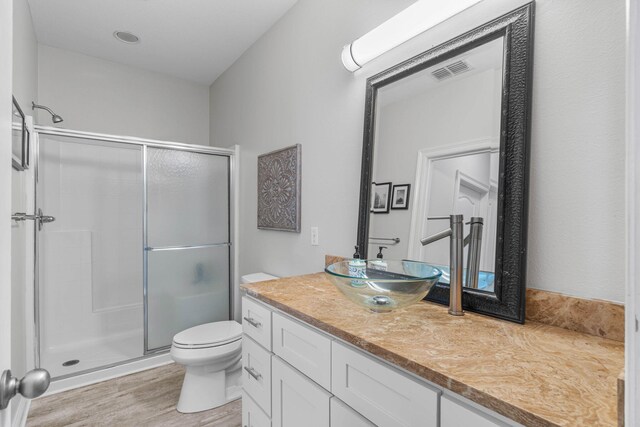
(454, 218)
(475, 220)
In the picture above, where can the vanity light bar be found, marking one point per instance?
(415, 19)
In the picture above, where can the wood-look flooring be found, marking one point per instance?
(146, 398)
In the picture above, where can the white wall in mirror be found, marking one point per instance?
(269, 99)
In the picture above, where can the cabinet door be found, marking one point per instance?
(382, 394)
(457, 414)
(303, 348)
(252, 415)
(297, 401)
(343, 416)
(256, 322)
(256, 373)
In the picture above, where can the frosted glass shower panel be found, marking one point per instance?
(187, 287)
(188, 198)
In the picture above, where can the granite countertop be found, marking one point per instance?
(535, 374)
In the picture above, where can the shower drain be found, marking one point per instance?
(71, 362)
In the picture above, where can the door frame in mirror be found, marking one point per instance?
(508, 300)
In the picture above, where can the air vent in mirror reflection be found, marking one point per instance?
(451, 70)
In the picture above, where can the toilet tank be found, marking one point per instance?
(257, 277)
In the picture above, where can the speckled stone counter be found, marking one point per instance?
(535, 374)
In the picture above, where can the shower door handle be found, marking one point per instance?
(42, 219)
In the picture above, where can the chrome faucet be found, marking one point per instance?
(456, 246)
(456, 256)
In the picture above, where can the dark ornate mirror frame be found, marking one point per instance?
(508, 300)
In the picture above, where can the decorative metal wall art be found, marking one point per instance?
(279, 174)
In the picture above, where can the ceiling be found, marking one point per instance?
(195, 40)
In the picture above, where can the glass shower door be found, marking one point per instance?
(90, 259)
(187, 249)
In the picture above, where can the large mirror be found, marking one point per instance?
(447, 133)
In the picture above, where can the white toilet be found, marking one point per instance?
(211, 354)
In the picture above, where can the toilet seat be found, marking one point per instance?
(209, 335)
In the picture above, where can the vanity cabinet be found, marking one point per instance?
(456, 414)
(297, 401)
(295, 375)
(252, 415)
(344, 416)
(304, 348)
(387, 397)
(256, 373)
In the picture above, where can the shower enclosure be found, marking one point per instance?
(140, 248)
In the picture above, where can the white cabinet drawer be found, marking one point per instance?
(252, 415)
(343, 416)
(383, 395)
(456, 414)
(256, 322)
(297, 401)
(256, 373)
(304, 349)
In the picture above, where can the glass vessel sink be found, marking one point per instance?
(383, 285)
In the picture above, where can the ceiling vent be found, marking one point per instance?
(451, 70)
(126, 37)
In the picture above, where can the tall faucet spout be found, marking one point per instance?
(436, 237)
(456, 246)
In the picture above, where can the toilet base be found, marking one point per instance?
(203, 390)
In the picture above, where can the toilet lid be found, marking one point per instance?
(209, 334)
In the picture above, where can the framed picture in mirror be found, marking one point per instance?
(18, 137)
(400, 196)
(454, 121)
(381, 197)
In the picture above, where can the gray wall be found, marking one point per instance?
(25, 56)
(95, 95)
(290, 88)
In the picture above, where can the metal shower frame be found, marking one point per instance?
(144, 143)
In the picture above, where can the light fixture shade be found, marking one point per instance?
(347, 58)
(415, 19)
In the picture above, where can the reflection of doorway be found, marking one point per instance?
(472, 197)
(457, 179)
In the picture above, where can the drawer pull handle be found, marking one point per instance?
(253, 373)
(252, 322)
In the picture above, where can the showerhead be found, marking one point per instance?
(54, 117)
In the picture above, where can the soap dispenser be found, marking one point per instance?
(379, 264)
(357, 268)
